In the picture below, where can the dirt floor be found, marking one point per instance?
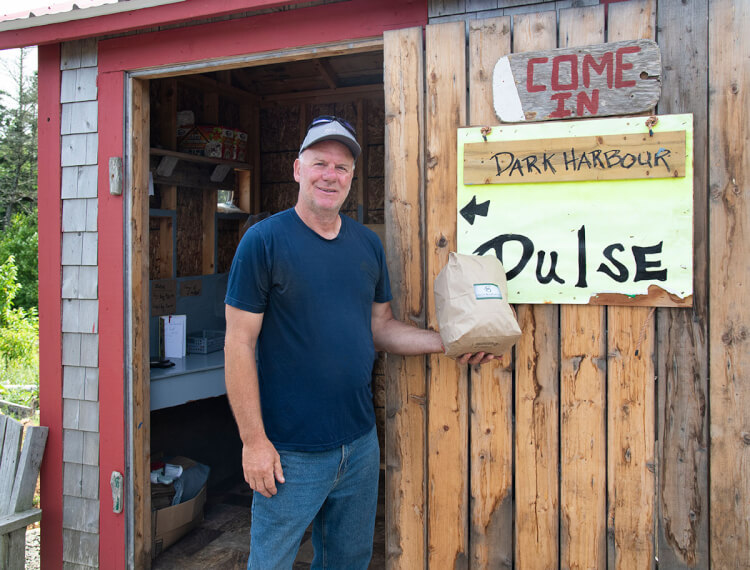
(222, 540)
(32, 548)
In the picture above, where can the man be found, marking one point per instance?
(309, 294)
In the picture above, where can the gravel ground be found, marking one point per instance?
(32, 549)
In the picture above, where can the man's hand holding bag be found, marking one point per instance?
(471, 300)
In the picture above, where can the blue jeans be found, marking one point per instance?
(336, 491)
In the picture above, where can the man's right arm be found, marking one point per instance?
(260, 460)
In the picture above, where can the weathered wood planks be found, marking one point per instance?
(619, 78)
(19, 472)
(630, 371)
(577, 158)
(583, 388)
(537, 394)
(729, 274)
(139, 284)
(445, 72)
(405, 445)
(682, 447)
(633, 452)
(491, 386)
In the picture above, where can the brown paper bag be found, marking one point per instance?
(473, 313)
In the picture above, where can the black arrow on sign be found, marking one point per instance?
(473, 209)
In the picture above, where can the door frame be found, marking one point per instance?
(136, 268)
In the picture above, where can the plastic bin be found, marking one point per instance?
(206, 341)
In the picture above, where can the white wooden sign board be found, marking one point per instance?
(609, 241)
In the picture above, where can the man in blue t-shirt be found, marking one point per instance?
(307, 307)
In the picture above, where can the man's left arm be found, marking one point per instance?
(397, 337)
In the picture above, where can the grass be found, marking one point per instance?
(19, 382)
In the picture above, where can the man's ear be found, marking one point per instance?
(296, 169)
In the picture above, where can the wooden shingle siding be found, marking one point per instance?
(79, 549)
(80, 316)
(80, 305)
(79, 182)
(79, 282)
(81, 480)
(79, 118)
(79, 149)
(78, 85)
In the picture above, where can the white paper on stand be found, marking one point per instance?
(174, 327)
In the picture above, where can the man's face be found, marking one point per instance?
(324, 172)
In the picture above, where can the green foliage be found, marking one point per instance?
(21, 240)
(20, 384)
(19, 324)
(19, 329)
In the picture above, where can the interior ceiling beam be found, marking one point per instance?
(324, 68)
(224, 76)
(321, 95)
(225, 89)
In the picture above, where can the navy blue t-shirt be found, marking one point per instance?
(315, 349)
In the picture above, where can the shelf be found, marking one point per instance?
(199, 159)
(195, 377)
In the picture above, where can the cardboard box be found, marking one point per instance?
(172, 523)
(214, 142)
(240, 146)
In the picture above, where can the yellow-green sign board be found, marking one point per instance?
(584, 237)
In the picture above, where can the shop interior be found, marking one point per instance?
(222, 146)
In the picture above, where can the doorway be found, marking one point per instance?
(188, 212)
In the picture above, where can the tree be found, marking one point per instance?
(18, 142)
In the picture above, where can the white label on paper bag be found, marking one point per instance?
(487, 291)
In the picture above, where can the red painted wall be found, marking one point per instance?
(183, 11)
(50, 306)
(307, 26)
(112, 410)
(269, 32)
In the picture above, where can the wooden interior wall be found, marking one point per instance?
(282, 128)
(590, 448)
